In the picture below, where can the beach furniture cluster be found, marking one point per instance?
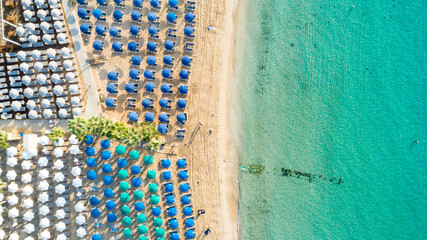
(40, 81)
(157, 37)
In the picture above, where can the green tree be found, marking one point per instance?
(3, 141)
(56, 134)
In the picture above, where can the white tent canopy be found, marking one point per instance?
(45, 235)
(11, 175)
(44, 140)
(44, 26)
(58, 152)
(28, 203)
(55, 13)
(73, 140)
(29, 216)
(12, 188)
(36, 54)
(74, 150)
(59, 164)
(29, 228)
(58, 90)
(47, 113)
(68, 64)
(58, 25)
(79, 207)
(60, 202)
(73, 89)
(31, 27)
(12, 151)
(31, 104)
(12, 161)
(77, 182)
(69, 76)
(44, 210)
(26, 80)
(81, 232)
(29, 92)
(44, 222)
(41, 78)
(60, 227)
(28, 14)
(60, 189)
(65, 52)
(13, 236)
(38, 66)
(62, 113)
(61, 237)
(60, 214)
(53, 65)
(59, 142)
(44, 197)
(43, 161)
(81, 219)
(13, 200)
(51, 53)
(13, 213)
(55, 78)
(59, 177)
(24, 66)
(44, 173)
(76, 171)
(43, 185)
(43, 91)
(33, 39)
(26, 165)
(26, 178)
(21, 55)
(45, 103)
(20, 31)
(28, 190)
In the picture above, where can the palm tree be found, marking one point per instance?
(56, 134)
(3, 141)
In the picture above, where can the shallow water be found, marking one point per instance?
(332, 90)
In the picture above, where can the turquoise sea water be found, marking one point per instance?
(327, 89)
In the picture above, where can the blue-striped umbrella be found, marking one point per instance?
(182, 103)
(149, 116)
(181, 117)
(122, 162)
(99, 29)
(133, 73)
(184, 74)
(186, 60)
(152, 30)
(172, 212)
(166, 175)
(111, 217)
(169, 45)
(117, 14)
(88, 139)
(105, 155)
(130, 87)
(110, 204)
(133, 116)
(134, 30)
(163, 117)
(111, 88)
(90, 151)
(171, 17)
(173, 3)
(166, 163)
(136, 182)
(154, 3)
(185, 200)
(132, 46)
(105, 143)
(173, 224)
(146, 103)
(149, 86)
(189, 222)
(183, 89)
(151, 46)
(108, 193)
(181, 163)
(95, 213)
(94, 201)
(106, 168)
(97, 45)
(135, 169)
(166, 73)
(84, 27)
(112, 75)
(184, 187)
(137, 3)
(162, 128)
(107, 180)
(163, 103)
(165, 88)
(97, 13)
(189, 17)
(82, 12)
(91, 162)
(189, 234)
(151, 17)
(188, 30)
(109, 102)
(170, 199)
(148, 74)
(155, 211)
(151, 60)
(187, 211)
(182, 175)
(168, 60)
(139, 206)
(117, 46)
(169, 187)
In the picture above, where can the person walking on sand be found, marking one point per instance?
(200, 123)
(207, 230)
(200, 212)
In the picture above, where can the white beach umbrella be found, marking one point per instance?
(76, 171)
(81, 232)
(13, 200)
(51, 53)
(53, 2)
(12, 161)
(58, 25)
(28, 14)
(28, 203)
(38, 66)
(60, 202)
(29, 92)
(73, 89)
(47, 113)
(44, 26)
(29, 228)
(36, 54)
(73, 140)
(60, 214)
(77, 112)
(62, 113)
(11, 175)
(77, 182)
(43, 91)
(14, 236)
(29, 238)
(39, 3)
(41, 79)
(44, 197)
(13, 213)
(58, 152)
(61, 37)
(42, 14)
(33, 39)
(30, 27)
(13, 93)
(44, 173)
(43, 185)
(1, 220)
(12, 188)
(59, 164)
(79, 207)
(47, 38)
(12, 151)
(16, 106)
(20, 31)
(21, 55)
(59, 177)
(65, 52)
(31, 104)
(26, 165)
(28, 190)
(43, 161)
(61, 237)
(27, 154)
(59, 142)
(26, 3)
(68, 64)
(60, 227)
(26, 80)
(60, 102)
(44, 210)
(58, 90)
(45, 103)
(53, 65)
(75, 101)
(24, 67)
(55, 78)
(55, 13)
(44, 222)
(29, 216)
(44, 140)
(80, 219)
(2, 234)
(74, 150)
(26, 178)
(1, 199)
(33, 114)
(69, 76)
(45, 235)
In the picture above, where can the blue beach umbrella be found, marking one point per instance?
(168, 60)
(97, 45)
(183, 89)
(174, 236)
(113, 31)
(184, 74)
(90, 151)
(162, 128)
(99, 29)
(94, 201)
(136, 60)
(105, 155)
(165, 88)
(91, 175)
(96, 236)
(95, 213)
(154, 3)
(132, 46)
(130, 88)
(163, 117)
(169, 187)
(111, 88)
(82, 12)
(139, 206)
(151, 60)
(135, 169)
(81, 1)
(186, 60)
(150, 86)
(166, 73)
(133, 73)
(91, 162)
(106, 168)
(184, 187)
(101, 1)
(166, 175)
(188, 30)
(97, 13)
(189, 17)
(152, 30)
(112, 75)
(166, 163)
(189, 222)
(117, 46)
(111, 217)
(136, 182)
(172, 212)
(135, 15)
(169, 45)
(173, 224)
(122, 162)
(181, 117)
(163, 103)
(173, 3)
(146, 103)
(182, 175)
(134, 30)
(137, 3)
(189, 234)
(88, 139)
(185, 200)
(108, 193)
(84, 27)
(118, 1)
(149, 116)
(170, 199)
(155, 211)
(105, 143)
(171, 17)
(107, 180)
(110, 204)
(148, 74)
(187, 211)
(181, 163)
(151, 17)
(133, 116)
(117, 14)
(151, 46)
(182, 103)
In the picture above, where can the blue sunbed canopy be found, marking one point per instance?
(174, 236)
(173, 224)
(163, 103)
(148, 74)
(134, 29)
(186, 60)
(97, 13)
(88, 139)
(112, 75)
(106, 168)
(162, 128)
(163, 117)
(185, 200)
(81, 1)
(189, 222)
(91, 175)
(169, 45)
(118, 1)
(149, 116)
(151, 17)
(90, 151)
(152, 30)
(188, 30)
(101, 1)
(189, 234)
(165, 88)
(167, 59)
(135, 15)
(184, 74)
(149, 86)
(136, 60)
(146, 103)
(117, 14)
(166, 163)
(181, 117)
(97, 45)
(139, 206)
(133, 116)
(110, 204)
(182, 175)
(91, 162)
(183, 89)
(132, 46)
(154, 3)
(111, 217)
(96, 236)
(113, 31)
(111, 88)
(135, 169)
(169, 187)
(108, 193)
(151, 46)
(122, 162)
(166, 175)
(117, 46)
(166, 73)
(156, 211)
(136, 182)
(172, 212)
(100, 29)
(170, 199)
(94, 201)
(182, 103)
(184, 187)
(105, 155)
(137, 3)
(189, 17)
(84, 27)
(171, 17)
(173, 3)
(107, 180)
(130, 88)
(187, 211)
(133, 73)
(105, 143)
(151, 60)
(181, 163)
(95, 213)
(82, 12)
